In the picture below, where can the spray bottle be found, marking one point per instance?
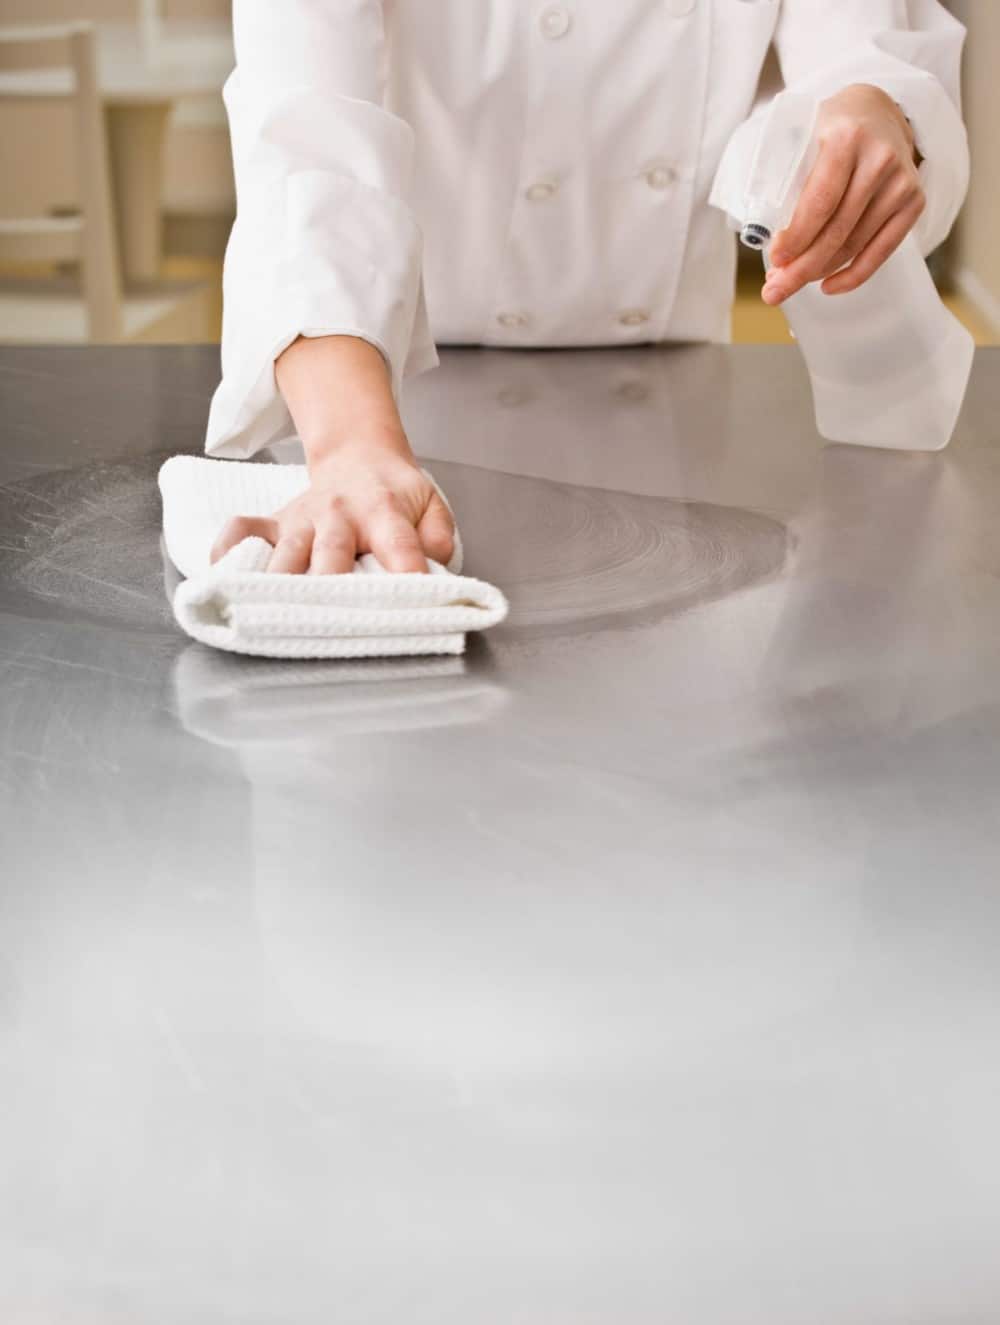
(889, 365)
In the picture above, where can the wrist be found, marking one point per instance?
(339, 393)
(362, 444)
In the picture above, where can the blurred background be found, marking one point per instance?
(124, 124)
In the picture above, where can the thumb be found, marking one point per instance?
(436, 530)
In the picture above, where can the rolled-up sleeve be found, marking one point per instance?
(912, 49)
(325, 241)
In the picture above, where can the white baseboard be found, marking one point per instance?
(986, 303)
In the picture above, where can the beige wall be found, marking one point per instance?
(36, 160)
(976, 249)
(36, 166)
(48, 11)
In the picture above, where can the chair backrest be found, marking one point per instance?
(68, 74)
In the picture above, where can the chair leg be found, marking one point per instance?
(100, 275)
(136, 138)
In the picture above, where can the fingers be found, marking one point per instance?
(889, 200)
(861, 199)
(436, 531)
(243, 526)
(322, 531)
(392, 538)
(292, 551)
(877, 252)
(334, 547)
(824, 190)
(816, 261)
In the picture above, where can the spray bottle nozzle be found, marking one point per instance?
(755, 236)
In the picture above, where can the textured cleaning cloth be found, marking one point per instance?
(236, 605)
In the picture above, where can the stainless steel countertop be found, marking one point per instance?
(641, 967)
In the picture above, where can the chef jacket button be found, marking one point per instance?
(660, 177)
(632, 390)
(542, 189)
(678, 8)
(512, 320)
(633, 317)
(511, 396)
(555, 21)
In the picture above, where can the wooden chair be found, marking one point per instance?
(92, 306)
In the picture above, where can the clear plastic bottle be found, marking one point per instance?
(889, 364)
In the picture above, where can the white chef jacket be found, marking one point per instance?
(521, 172)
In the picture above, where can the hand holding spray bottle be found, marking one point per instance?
(889, 365)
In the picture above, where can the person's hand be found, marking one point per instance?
(360, 499)
(862, 198)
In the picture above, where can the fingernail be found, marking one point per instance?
(772, 294)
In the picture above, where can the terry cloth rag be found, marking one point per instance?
(236, 605)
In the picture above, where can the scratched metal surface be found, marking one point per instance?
(639, 967)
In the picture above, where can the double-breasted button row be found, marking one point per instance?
(555, 22)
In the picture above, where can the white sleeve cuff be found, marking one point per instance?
(315, 251)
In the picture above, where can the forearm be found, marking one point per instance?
(339, 394)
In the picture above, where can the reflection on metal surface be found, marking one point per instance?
(628, 946)
(618, 420)
(568, 555)
(871, 621)
(254, 702)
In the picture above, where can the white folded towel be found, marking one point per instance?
(236, 605)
